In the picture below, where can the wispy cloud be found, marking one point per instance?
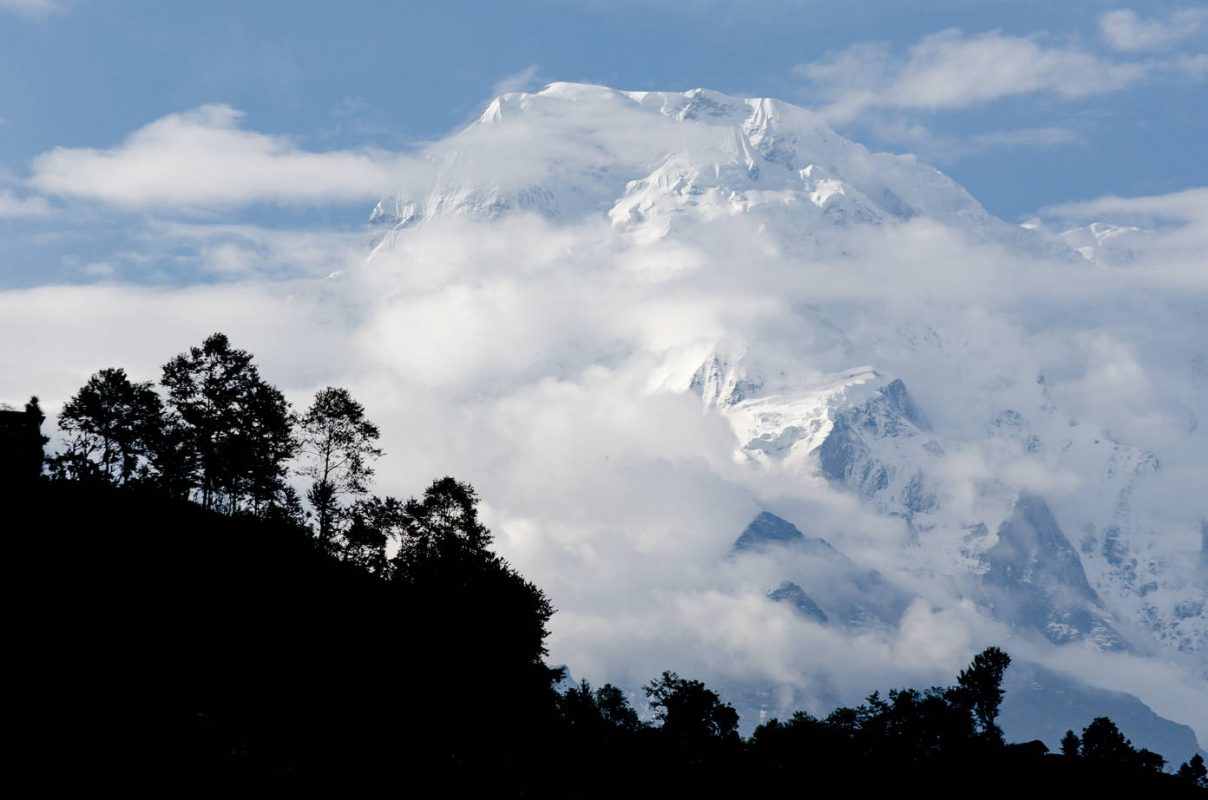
(945, 149)
(1027, 137)
(516, 82)
(234, 250)
(12, 206)
(203, 159)
(1185, 206)
(1125, 30)
(952, 69)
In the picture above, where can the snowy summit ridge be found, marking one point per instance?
(695, 155)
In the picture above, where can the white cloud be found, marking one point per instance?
(204, 159)
(12, 206)
(952, 69)
(1123, 29)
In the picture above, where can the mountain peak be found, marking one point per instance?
(650, 161)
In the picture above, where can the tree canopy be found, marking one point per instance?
(112, 427)
(235, 425)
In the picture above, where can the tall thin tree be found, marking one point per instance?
(337, 451)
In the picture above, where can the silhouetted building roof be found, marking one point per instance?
(20, 445)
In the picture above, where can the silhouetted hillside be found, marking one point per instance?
(159, 645)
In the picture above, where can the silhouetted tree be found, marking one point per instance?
(979, 689)
(112, 426)
(1071, 745)
(236, 425)
(689, 711)
(599, 715)
(1103, 742)
(1148, 760)
(1194, 772)
(442, 526)
(615, 708)
(34, 408)
(336, 451)
(373, 523)
(444, 558)
(173, 460)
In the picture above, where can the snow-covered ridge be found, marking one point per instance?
(656, 159)
(862, 432)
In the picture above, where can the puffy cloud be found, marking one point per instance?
(1125, 30)
(204, 159)
(953, 69)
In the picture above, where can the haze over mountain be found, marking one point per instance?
(639, 321)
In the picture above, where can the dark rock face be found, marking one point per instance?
(1035, 579)
(791, 593)
(845, 456)
(768, 530)
(840, 590)
(898, 399)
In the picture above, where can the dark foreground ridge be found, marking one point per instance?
(159, 644)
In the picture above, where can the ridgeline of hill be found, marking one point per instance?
(156, 644)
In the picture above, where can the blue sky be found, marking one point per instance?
(1078, 100)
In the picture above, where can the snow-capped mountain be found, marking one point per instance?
(849, 351)
(702, 155)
